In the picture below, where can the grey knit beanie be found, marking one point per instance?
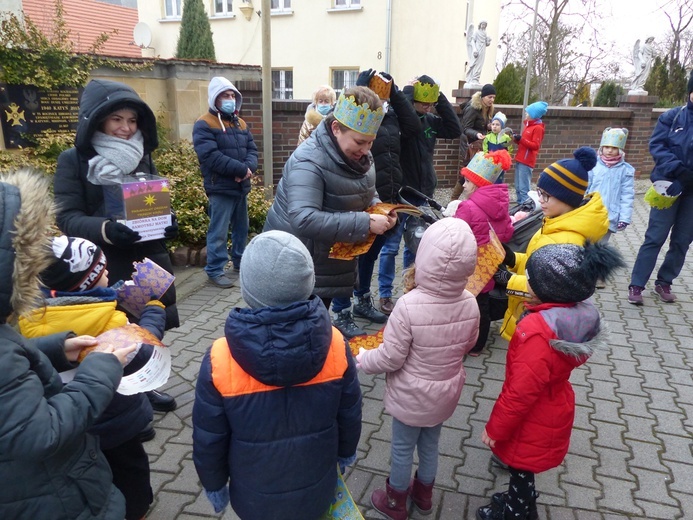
(276, 270)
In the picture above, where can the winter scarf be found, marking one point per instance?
(610, 162)
(115, 157)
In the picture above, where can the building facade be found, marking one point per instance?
(317, 42)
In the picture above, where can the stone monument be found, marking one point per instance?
(477, 41)
(642, 61)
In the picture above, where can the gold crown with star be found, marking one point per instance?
(359, 118)
(426, 92)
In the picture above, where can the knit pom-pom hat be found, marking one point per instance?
(568, 273)
(567, 179)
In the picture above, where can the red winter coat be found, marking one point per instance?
(487, 205)
(528, 147)
(533, 416)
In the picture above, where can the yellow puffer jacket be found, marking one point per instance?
(87, 318)
(589, 221)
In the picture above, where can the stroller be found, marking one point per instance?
(523, 233)
(414, 227)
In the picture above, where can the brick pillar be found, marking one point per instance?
(642, 123)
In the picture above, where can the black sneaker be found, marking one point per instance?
(344, 321)
(364, 308)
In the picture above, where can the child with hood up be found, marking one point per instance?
(530, 424)
(425, 340)
(51, 469)
(486, 205)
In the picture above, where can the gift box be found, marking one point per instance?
(142, 202)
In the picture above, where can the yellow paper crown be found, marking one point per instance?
(657, 197)
(359, 118)
(425, 92)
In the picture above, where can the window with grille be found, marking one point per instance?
(343, 78)
(282, 84)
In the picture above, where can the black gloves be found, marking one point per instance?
(364, 78)
(509, 259)
(675, 189)
(517, 137)
(171, 232)
(502, 276)
(120, 235)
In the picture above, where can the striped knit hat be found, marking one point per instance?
(567, 179)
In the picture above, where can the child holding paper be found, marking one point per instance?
(80, 300)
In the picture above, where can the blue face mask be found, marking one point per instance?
(324, 109)
(228, 106)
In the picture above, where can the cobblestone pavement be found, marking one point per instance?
(630, 455)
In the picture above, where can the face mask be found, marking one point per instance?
(324, 109)
(228, 106)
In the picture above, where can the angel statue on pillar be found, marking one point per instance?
(477, 41)
(642, 61)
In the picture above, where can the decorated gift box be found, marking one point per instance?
(142, 202)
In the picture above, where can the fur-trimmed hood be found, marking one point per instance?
(26, 214)
(476, 103)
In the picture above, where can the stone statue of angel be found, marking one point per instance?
(477, 41)
(642, 61)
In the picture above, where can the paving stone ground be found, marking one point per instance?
(630, 454)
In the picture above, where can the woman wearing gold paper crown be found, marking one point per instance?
(671, 146)
(326, 186)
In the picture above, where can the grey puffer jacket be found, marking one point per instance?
(322, 200)
(49, 467)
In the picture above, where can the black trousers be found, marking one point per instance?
(130, 466)
(520, 494)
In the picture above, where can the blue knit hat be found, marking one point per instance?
(567, 179)
(537, 110)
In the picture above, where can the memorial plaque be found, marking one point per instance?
(26, 110)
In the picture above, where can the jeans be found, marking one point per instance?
(523, 181)
(404, 439)
(340, 303)
(366, 265)
(388, 253)
(677, 219)
(226, 213)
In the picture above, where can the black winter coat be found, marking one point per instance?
(417, 150)
(81, 211)
(400, 121)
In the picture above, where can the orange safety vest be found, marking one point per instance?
(232, 381)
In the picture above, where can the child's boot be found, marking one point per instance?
(421, 495)
(390, 503)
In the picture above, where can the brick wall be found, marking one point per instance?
(566, 129)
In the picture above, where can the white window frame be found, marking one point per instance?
(349, 76)
(176, 8)
(227, 10)
(283, 6)
(347, 4)
(282, 90)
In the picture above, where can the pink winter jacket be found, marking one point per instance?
(430, 330)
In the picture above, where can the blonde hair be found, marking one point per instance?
(327, 91)
(408, 278)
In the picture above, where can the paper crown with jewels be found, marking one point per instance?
(485, 168)
(426, 92)
(615, 137)
(359, 118)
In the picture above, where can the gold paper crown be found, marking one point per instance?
(380, 86)
(359, 118)
(425, 92)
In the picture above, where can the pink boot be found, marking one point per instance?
(421, 495)
(390, 503)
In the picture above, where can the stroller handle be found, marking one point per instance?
(431, 202)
